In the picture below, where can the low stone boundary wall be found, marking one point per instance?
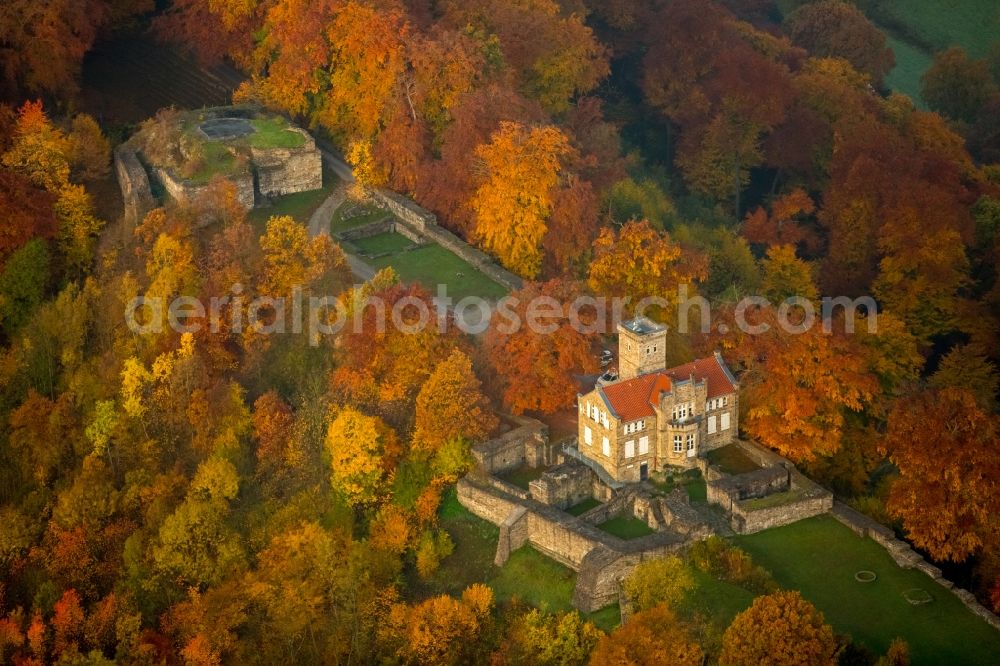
(904, 555)
(382, 226)
(425, 223)
(134, 183)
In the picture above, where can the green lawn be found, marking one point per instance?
(353, 214)
(382, 243)
(583, 507)
(626, 527)
(973, 24)
(691, 480)
(216, 159)
(731, 459)
(717, 601)
(911, 63)
(819, 557)
(523, 475)
(274, 133)
(432, 265)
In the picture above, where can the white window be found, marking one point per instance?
(588, 435)
(690, 441)
(725, 401)
(606, 447)
(711, 424)
(725, 421)
(643, 445)
(630, 449)
(678, 444)
(604, 419)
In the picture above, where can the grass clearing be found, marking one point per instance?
(626, 527)
(583, 507)
(820, 557)
(274, 133)
(387, 242)
(215, 159)
(353, 214)
(523, 475)
(731, 459)
(432, 265)
(911, 63)
(715, 600)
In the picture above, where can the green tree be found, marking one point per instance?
(22, 284)
(956, 85)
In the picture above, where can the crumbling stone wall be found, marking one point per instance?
(426, 224)
(564, 485)
(527, 444)
(186, 191)
(134, 183)
(283, 171)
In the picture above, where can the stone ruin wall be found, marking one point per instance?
(134, 183)
(527, 444)
(564, 485)
(425, 222)
(282, 171)
(184, 191)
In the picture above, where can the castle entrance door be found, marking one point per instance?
(643, 472)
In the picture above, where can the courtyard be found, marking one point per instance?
(429, 265)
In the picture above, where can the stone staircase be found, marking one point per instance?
(570, 449)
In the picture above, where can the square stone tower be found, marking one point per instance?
(642, 347)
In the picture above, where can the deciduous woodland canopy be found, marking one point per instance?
(224, 496)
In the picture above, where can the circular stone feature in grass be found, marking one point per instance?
(918, 596)
(865, 576)
(223, 129)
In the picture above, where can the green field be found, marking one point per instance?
(819, 557)
(919, 28)
(626, 527)
(274, 133)
(215, 159)
(432, 265)
(731, 459)
(382, 243)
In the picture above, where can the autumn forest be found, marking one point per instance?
(221, 496)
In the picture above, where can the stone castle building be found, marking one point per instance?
(652, 417)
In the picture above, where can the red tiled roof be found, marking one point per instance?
(634, 398)
(710, 369)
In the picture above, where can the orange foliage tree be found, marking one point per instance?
(945, 447)
(651, 637)
(796, 633)
(536, 365)
(513, 204)
(640, 262)
(451, 405)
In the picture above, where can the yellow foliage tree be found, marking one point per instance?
(514, 201)
(363, 452)
(652, 637)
